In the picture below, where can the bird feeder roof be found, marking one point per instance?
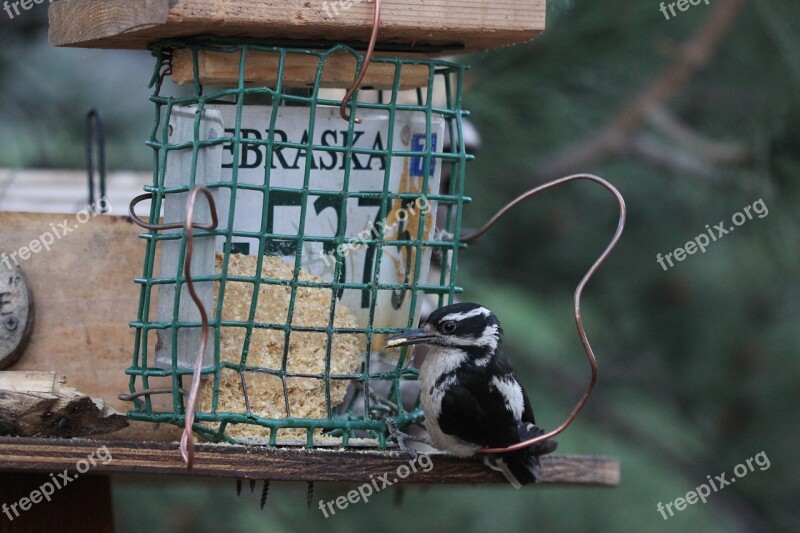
(450, 25)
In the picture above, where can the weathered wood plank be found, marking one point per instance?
(261, 68)
(39, 404)
(85, 298)
(91, 21)
(472, 24)
(288, 464)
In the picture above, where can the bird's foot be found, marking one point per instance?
(403, 438)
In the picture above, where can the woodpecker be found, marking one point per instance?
(470, 393)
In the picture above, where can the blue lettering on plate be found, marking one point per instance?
(418, 163)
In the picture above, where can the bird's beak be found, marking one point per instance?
(416, 336)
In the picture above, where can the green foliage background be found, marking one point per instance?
(699, 365)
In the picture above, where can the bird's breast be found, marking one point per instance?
(436, 376)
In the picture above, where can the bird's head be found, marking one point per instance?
(465, 325)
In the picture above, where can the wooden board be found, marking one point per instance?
(468, 24)
(85, 298)
(261, 68)
(287, 464)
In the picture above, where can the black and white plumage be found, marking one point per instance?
(470, 393)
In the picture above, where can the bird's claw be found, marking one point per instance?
(400, 437)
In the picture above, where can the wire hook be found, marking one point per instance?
(166, 69)
(96, 135)
(187, 443)
(373, 40)
(577, 298)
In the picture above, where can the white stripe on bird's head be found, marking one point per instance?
(466, 314)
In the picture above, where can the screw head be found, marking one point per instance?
(11, 323)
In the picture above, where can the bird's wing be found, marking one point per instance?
(503, 366)
(527, 413)
(475, 411)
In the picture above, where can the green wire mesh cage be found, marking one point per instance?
(326, 231)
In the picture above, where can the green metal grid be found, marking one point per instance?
(341, 421)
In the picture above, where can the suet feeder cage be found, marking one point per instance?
(308, 167)
(324, 238)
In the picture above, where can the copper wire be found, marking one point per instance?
(173, 225)
(373, 40)
(149, 392)
(187, 443)
(577, 299)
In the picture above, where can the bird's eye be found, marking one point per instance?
(449, 327)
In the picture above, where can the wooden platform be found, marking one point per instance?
(218, 460)
(85, 298)
(458, 25)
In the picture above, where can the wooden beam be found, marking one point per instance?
(468, 24)
(261, 68)
(90, 23)
(287, 464)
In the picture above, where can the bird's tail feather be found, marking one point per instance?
(511, 470)
(529, 431)
(522, 466)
